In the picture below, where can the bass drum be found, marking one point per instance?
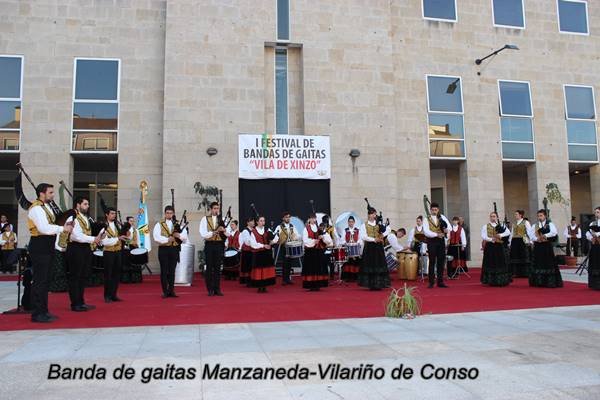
(138, 256)
(341, 222)
(184, 273)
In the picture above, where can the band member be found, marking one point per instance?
(395, 240)
(232, 272)
(214, 234)
(330, 230)
(457, 246)
(417, 238)
(8, 243)
(246, 259)
(134, 238)
(112, 257)
(40, 220)
(545, 272)
(58, 280)
(315, 274)
(374, 272)
(494, 268)
(593, 235)
(436, 227)
(168, 251)
(351, 236)
(79, 254)
(462, 223)
(262, 273)
(572, 234)
(283, 233)
(519, 246)
(4, 222)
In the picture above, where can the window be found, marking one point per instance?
(11, 89)
(573, 17)
(281, 91)
(95, 105)
(283, 19)
(580, 112)
(446, 129)
(509, 13)
(516, 121)
(440, 10)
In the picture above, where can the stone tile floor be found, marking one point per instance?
(551, 353)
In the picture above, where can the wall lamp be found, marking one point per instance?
(506, 46)
(354, 153)
(211, 151)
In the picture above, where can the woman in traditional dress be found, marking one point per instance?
(351, 237)
(262, 273)
(593, 235)
(246, 258)
(315, 274)
(457, 245)
(494, 268)
(545, 271)
(519, 246)
(374, 273)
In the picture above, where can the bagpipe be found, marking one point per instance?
(501, 226)
(593, 229)
(178, 225)
(269, 232)
(378, 219)
(427, 207)
(223, 221)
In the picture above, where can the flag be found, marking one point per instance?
(142, 219)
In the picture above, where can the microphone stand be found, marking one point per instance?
(19, 309)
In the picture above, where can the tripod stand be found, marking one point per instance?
(20, 268)
(583, 266)
(460, 269)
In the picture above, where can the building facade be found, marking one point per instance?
(105, 93)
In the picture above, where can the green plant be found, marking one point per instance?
(207, 194)
(554, 196)
(402, 303)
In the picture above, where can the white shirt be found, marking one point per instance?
(245, 237)
(553, 232)
(590, 235)
(253, 242)
(363, 232)
(342, 239)
(160, 239)
(463, 235)
(426, 228)
(485, 236)
(566, 232)
(77, 235)
(39, 218)
(204, 232)
(288, 228)
(56, 246)
(133, 238)
(395, 243)
(309, 242)
(111, 241)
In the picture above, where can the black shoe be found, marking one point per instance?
(51, 317)
(172, 294)
(218, 292)
(78, 308)
(116, 298)
(107, 300)
(164, 296)
(41, 318)
(211, 293)
(430, 285)
(89, 306)
(442, 285)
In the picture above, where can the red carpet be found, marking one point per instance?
(144, 306)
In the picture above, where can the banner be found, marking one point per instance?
(142, 222)
(284, 156)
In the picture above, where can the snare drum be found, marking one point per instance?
(138, 256)
(294, 249)
(353, 250)
(391, 261)
(339, 254)
(232, 259)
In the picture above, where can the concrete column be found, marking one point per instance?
(595, 185)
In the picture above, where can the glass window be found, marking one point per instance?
(96, 105)
(11, 68)
(509, 13)
(580, 102)
(445, 94)
(580, 113)
(517, 151)
(516, 129)
(283, 19)
(440, 9)
(281, 92)
(572, 16)
(515, 98)
(446, 128)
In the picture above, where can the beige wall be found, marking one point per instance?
(581, 196)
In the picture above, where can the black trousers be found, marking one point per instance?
(41, 252)
(168, 257)
(79, 258)
(573, 246)
(285, 263)
(213, 254)
(437, 259)
(112, 273)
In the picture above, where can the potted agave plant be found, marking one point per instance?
(402, 303)
(555, 197)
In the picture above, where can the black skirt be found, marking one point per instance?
(544, 271)
(520, 258)
(494, 268)
(245, 267)
(350, 270)
(315, 273)
(262, 273)
(374, 273)
(594, 267)
(57, 276)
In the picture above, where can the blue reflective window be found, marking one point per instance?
(440, 100)
(10, 114)
(283, 19)
(281, 92)
(581, 132)
(440, 9)
(97, 80)
(10, 77)
(515, 98)
(572, 16)
(583, 153)
(100, 116)
(444, 126)
(516, 129)
(517, 151)
(509, 13)
(580, 102)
